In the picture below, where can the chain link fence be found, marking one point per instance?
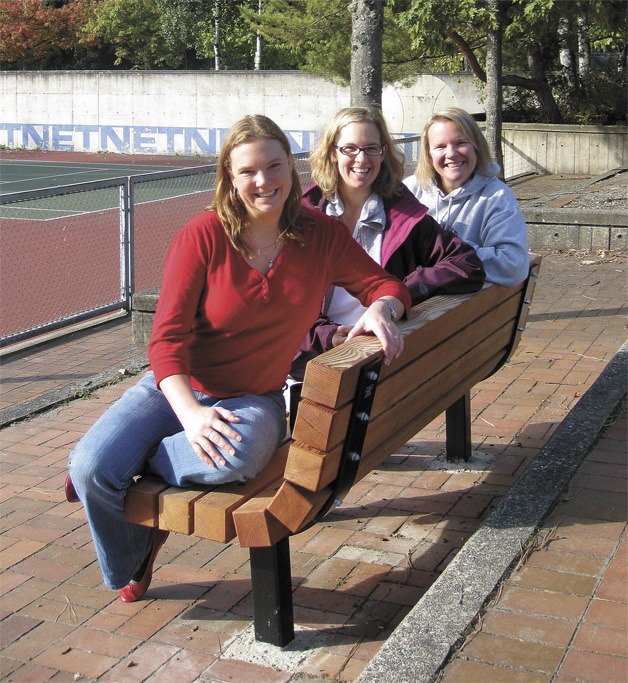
(62, 260)
(77, 252)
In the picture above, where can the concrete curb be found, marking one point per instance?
(419, 647)
(50, 399)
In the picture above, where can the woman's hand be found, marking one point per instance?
(206, 428)
(340, 335)
(377, 320)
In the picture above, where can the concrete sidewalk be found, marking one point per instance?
(364, 578)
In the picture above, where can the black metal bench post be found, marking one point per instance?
(271, 579)
(458, 429)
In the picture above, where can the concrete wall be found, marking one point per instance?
(568, 150)
(180, 112)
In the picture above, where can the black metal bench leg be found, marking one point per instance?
(272, 593)
(458, 429)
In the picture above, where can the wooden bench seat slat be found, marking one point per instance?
(213, 513)
(176, 508)
(141, 504)
(295, 506)
(311, 468)
(255, 526)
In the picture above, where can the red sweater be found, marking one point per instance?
(234, 331)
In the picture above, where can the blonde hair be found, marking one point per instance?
(425, 172)
(323, 156)
(228, 205)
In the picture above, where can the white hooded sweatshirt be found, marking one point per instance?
(485, 214)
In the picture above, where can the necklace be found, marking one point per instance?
(277, 243)
(277, 250)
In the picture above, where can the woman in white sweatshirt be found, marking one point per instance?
(456, 178)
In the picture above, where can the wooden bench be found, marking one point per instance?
(354, 413)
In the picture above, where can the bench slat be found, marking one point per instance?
(141, 504)
(311, 468)
(255, 526)
(331, 378)
(406, 379)
(374, 457)
(391, 397)
(294, 506)
(213, 513)
(176, 508)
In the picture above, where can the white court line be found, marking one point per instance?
(115, 170)
(47, 177)
(62, 212)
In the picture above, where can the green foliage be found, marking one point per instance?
(42, 34)
(193, 24)
(420, 36)
(134, 29)
(316, 32)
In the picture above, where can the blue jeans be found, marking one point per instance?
(141, 432)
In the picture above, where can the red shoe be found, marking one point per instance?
(70, 492)
(136, 587)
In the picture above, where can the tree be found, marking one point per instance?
(40, 35)
(313, 32)
(134, 29)
(465, 35)
(417, 39)
(494, 99)
(367, 28)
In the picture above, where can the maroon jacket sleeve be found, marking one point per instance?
(443, 263)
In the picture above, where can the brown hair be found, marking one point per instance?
(425, 172)
(323, 156)
(227, 203)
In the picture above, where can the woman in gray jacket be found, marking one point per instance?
(456, 178)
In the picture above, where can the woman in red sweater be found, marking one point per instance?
(242, 285)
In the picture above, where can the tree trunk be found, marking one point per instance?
(567, 57)
(367, 28)
(217, 35)
(258, 43)
(549, 108)
(494, 97)
(584, 47)
(538, 84)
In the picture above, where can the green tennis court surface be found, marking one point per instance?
(23, 175)
(19, 176)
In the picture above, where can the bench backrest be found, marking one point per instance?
(451, 343)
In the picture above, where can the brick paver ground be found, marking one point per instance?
(359, 573)
(563, 613)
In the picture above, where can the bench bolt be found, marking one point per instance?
(363, 417)
(371, 374)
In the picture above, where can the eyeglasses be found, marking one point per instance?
(354, 150)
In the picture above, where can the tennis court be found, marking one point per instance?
(79, 238)
(29, 175)
(19, 176)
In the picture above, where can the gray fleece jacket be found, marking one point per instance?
(485, 214)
